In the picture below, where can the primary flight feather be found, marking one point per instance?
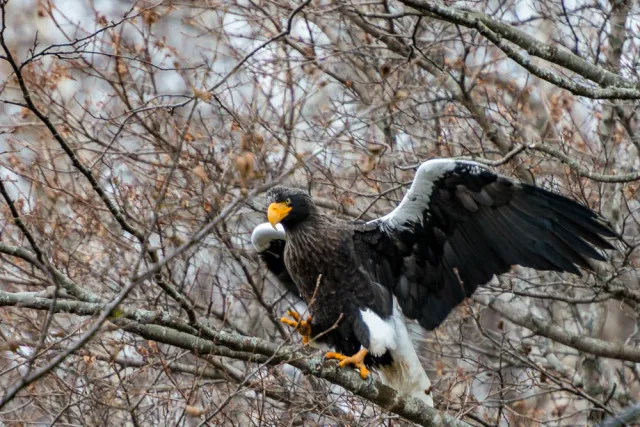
(459, 224)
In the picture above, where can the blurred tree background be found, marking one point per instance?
(137, 139)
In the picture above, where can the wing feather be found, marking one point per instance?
(460, 223)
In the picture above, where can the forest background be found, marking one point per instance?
(137, 140)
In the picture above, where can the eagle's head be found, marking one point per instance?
(288, 206)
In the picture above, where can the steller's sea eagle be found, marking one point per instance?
(458, 225)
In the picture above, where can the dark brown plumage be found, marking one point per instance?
(458, 225)
(321, 258)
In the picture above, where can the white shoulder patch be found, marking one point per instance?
(417, 198)
(264, 233)
(416, 201)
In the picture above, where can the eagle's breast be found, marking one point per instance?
(322, 257)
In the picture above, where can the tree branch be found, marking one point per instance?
(566, 59)
(580, 170)
(104, 312)
(494, 133)
(72, 287)
(250, 349)
(562, 82)
(542, 327)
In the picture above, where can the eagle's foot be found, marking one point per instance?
(357, 360)
(302, 326)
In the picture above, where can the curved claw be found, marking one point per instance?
(357, 360)
(302, 326)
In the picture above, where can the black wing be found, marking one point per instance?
(269, 242)
(460, 223)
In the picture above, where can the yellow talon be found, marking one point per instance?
(302, 326)
(357, 360)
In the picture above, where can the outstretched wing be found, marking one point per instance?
(269, 242)
(460, 223)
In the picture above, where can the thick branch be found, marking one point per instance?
(562, 82)
(71, 287)
(533, 46)
(311, 363)
(580, 170)
(104, 312)
(252, 349)
(542, 327)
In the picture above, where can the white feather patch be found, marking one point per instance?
(382, 333)
(264, 233)
(416, 201)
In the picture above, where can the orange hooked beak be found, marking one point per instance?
(277, 212)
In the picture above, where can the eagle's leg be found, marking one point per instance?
(357, 360)
(302, 326)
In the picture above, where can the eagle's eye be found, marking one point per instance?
(288, 201)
